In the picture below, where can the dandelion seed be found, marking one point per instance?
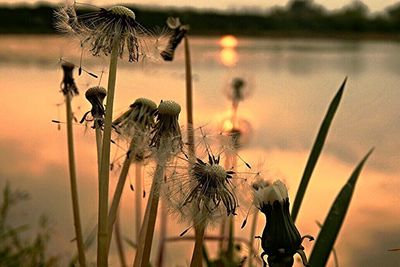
(104, 28)
(280, 238)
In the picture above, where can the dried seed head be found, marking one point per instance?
(179, 31)
(95, 95)
(169, 108)
(166, 130)
(68, 85)
(105, 28)
(122, 11)
(139, 117)
(211, 186)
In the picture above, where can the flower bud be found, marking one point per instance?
(280, 238)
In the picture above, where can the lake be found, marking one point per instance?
(292, 82)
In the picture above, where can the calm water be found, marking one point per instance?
(292, 83)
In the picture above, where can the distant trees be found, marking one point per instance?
(298, 17)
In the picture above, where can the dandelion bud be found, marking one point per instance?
(68, 85)
(280, 238)
(140, 116)
(166, 129)
(95, 96)
(179, 31)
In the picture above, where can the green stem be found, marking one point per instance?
(142, 257)
(112, 215)
(102, 235)
(73, 183)
(163, 234)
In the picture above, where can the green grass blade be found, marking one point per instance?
(333, 222)
(316, 150)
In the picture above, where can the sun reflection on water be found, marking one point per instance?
(228, 55)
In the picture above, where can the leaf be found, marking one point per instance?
(316, 150)
(333, 222)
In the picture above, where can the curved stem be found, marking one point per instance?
(102, 234)
(73, 183)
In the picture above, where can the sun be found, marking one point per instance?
(228, 41)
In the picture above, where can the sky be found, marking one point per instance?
(374, 5)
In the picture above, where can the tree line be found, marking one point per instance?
(298, 17)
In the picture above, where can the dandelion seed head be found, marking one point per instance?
(169, 108)
(138, 118)
(122, 11)
(95, 95)
(167, 133)
(68, 85)
(106, 29)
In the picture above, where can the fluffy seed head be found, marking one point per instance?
(138, 118)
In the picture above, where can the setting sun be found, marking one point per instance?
(228, 41)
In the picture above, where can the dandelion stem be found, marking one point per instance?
(138, 198)
(99, 144)
(147, 231)
(252, 237)
(163, 234)
(112, 215)
(118, 241)
(197, 257)
(102, 240)
(189, 99)
(73, 183)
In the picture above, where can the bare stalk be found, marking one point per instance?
(163, 234)
(73, 183)
(189, 99)
(197, 257)
(138, 198)
(102, 235)
(142, 257)
(112, 215)
(252, 237)
(118, 241)
(99, 145)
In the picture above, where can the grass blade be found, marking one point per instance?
(333, 222)
(316, 150)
